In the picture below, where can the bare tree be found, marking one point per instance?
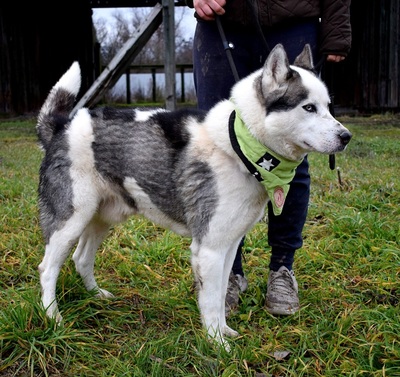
(125, 23)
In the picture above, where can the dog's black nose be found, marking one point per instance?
(346, 137)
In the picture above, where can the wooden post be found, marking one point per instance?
(128, 86)
(154, 87)
(182, 84)
(169, 62)
(122, 60)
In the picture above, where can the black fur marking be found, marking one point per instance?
(51, 124)
(114, 114)
(63, 101)
(286, 100)
(196, 184)
(173, 126)
(55, 187)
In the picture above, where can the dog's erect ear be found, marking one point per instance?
(305, 59)
(276, 69)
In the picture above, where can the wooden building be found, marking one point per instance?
(369, 80)
(39, 42)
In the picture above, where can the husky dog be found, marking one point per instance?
(207, 176)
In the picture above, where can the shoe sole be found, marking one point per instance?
(282, 310)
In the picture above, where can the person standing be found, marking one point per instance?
(254, 27)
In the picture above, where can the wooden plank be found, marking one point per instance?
(122, 60)
(129, 3)
(169, 43)
(394, 55)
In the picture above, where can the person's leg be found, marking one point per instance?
(285, 237)
(285, 230)
(213, 77)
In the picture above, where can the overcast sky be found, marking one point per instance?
(189, 22)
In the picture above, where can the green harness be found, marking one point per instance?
(274, 172)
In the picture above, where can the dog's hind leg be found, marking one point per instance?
(57, 250)
(84, 255)
(54, 257)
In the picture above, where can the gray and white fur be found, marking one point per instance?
(176, 168)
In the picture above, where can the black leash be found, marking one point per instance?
(228, 47)
(332, 157)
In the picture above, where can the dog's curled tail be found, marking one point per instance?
(55, 111)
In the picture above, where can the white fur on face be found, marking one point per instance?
(317, 130)
(296, 131)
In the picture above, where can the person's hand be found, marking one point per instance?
(206, 9)
(335, 58)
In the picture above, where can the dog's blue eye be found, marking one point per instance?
(310, 108)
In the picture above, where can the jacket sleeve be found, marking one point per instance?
(189, 3)
(335, 36)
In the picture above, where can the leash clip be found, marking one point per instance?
(228, 45)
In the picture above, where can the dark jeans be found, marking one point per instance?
(213, 81)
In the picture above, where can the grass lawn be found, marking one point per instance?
(348, 273)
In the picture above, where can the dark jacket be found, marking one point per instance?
(335, 35)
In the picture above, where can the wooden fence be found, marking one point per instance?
(153, 69)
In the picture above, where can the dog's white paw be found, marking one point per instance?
(227, 331)
(53, 313)
(219, 341)
(217, 337)
(103, 294)
(58, 317)
(226, 345)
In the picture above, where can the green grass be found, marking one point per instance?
(348, 273)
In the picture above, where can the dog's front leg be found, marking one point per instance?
(208, 267)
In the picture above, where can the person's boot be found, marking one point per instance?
(282, 292)
(236, 285)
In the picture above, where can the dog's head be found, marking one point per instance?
(287, 107)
